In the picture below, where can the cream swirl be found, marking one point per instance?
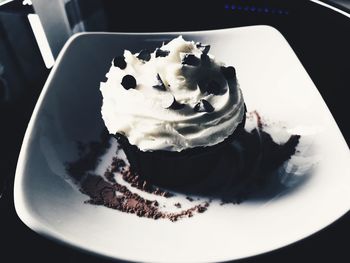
(176, 98)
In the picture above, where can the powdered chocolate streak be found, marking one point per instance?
(245, 169)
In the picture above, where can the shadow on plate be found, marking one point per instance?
(254, 167)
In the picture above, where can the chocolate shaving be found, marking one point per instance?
(169, 102)
(159, 84)
(119, 62)
(144, 55)
(176, 105)
(229, 72)
(204, 48)
(203, 106)
(191, 60)
(162, 53)
(205, 60)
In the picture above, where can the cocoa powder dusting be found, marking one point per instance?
(113, 195)
(134, 179)
(105, 190)
(119, 197)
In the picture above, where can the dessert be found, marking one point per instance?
(174, 110)
(182, 142)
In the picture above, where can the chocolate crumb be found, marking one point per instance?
(117, 164)
(155, 203)
(201, 209)
(178, 205)
(189, 198)
(109, 176)
(157, 215)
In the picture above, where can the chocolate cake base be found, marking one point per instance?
(176, 169)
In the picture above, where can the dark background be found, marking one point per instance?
(320, 37)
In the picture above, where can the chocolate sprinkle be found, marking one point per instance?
(128, 82)
(144, 55)
(229, 72)
(159, 84)
(119, 62)
(176, 105)
(191, 60)
(204, 48)
(169, 102)
(203, 106)
(162, 53)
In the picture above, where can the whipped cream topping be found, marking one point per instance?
(175, 98)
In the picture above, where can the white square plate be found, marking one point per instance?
(273, 82)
